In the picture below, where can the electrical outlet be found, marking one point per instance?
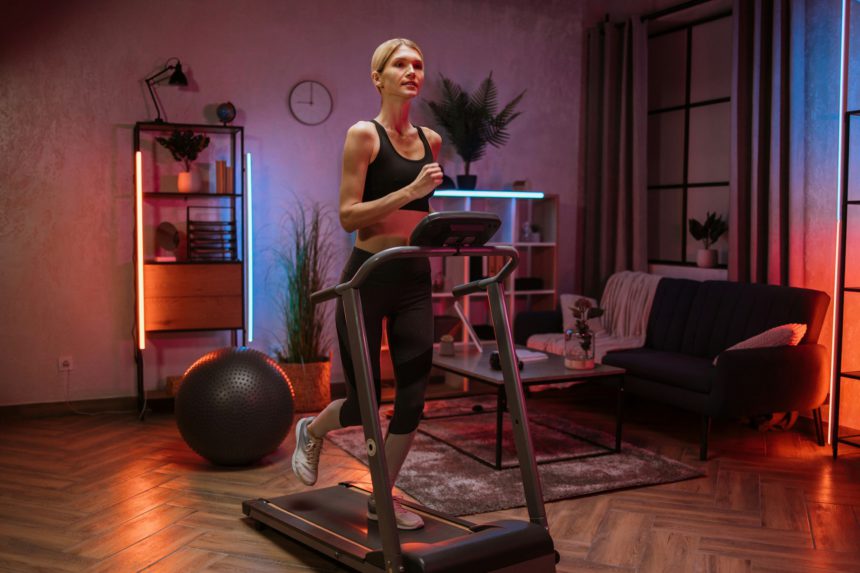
(65, 363)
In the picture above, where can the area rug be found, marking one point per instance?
(443, 478)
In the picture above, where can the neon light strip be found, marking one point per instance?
(837, 273)
(249, 254)
(489, 194)
(138, 225)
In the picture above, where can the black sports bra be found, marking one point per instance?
(390, 171)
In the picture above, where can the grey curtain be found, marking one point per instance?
(759, 209)
(612, 203)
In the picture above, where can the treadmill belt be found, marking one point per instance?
(343, 509)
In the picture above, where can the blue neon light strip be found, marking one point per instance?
(489, 194)
(249, 256)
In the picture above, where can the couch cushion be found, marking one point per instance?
(669, 312)
(671, 368)
(724, 313)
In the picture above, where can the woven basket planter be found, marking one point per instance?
(311, 384)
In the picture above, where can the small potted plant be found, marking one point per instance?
(471, 122)
(185, 146)
(579, 340)
(305, 260)
(708, 233)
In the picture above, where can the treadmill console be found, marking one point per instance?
(457, 229)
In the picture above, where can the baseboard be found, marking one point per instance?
(53, 409)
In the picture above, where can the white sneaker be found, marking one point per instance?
(306, 457)
(405, 518)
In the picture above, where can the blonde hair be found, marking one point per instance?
(384, 51)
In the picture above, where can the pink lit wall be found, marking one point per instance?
(71, 90)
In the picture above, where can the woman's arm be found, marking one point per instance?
(354, 214)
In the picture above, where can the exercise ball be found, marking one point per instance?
(234, 406)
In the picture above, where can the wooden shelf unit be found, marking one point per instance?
(192, 289)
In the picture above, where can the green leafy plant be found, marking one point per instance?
(305, 260)
(710, 231)
(583, 311)
(184, 145)
(471, 121)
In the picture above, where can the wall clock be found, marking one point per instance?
(310, 102)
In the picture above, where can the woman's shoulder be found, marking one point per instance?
(433, 138)
(362, 129)
(362, 133)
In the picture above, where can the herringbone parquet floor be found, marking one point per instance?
(108, 493)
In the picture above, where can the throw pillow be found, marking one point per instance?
(782, 335)
(567, 301)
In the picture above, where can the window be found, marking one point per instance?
(689, 122)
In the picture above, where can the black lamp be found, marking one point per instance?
(177, 78)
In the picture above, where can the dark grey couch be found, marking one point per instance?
(692, 322)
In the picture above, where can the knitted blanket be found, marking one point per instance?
(626, 302)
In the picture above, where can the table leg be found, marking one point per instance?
(501, 406)
(619, 414)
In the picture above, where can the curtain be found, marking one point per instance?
(759, 197)
(612, 199)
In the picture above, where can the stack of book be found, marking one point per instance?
(224, 178)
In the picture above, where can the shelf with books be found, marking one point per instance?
(192, 241)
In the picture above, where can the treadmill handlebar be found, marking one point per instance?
(411, 252)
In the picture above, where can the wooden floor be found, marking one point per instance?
(108, 493)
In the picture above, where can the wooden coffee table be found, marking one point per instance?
(475, 365)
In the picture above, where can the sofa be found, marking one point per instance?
(692, 323)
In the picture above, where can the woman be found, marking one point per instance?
(389, 173)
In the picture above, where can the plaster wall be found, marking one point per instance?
(71, 89)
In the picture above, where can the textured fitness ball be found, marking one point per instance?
(234, 406)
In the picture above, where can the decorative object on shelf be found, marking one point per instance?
(224, 178)
(226, 112)
(211, 234)
(185, 146)
(177, 78)
(167, 239)
(579, 340)
(471, 122)
(310, 102)
(708, 233)
(530, 233)
(305, 261)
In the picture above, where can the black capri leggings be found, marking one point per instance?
(399, 290)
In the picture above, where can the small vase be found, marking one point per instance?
(188, 182)
(706, 258)
(468, 182)
(579, 349)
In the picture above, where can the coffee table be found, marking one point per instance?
(475, 365)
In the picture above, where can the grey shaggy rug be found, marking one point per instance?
(441, 477)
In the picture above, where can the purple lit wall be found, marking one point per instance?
(71, 89)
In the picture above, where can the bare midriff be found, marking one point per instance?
(392, 231)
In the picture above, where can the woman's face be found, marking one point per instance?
(403, 74)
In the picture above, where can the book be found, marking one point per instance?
(530, 355)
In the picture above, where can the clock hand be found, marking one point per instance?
(312, 95)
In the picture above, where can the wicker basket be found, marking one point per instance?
(311, 384)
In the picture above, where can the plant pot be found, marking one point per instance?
(706, 258)
(467, 181)
(311, 384)
(188, 182)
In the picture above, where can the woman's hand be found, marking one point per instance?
(428, 179)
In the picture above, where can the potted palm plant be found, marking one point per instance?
(305, 260)
(471, 122)
(185, 146)
(708, 232)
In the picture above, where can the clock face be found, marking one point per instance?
(310, 102)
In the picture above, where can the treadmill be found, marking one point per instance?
(333, 520)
